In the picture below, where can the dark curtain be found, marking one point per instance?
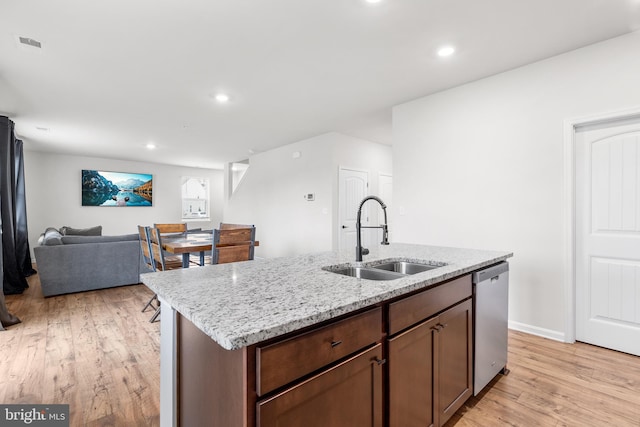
(15, 240)
(6, 318)
(23, 253)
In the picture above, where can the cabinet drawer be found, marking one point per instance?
(282, 362)
(349, 394)
(421, 306)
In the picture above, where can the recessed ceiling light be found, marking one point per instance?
(222, 98)
(151, 146)
(446, 51)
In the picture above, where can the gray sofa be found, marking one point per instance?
(76, 263)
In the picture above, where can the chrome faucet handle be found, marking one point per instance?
(385, 235)
(364, 251)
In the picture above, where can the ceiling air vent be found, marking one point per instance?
(30, 42)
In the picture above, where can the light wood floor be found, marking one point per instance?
(97, 352)
(558, 384)
(92, 350)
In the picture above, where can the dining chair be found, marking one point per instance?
(147, 257)
(160, 262)
(233, 245)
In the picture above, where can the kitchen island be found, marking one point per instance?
(238, 340)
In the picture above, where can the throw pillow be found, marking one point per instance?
(91, 231)
(52, 237)
(42, 236)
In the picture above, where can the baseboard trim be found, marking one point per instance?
(535, 330)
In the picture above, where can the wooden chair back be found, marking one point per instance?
(161, 261)
(233, 245)
(227, 226)
(145, 247)
(172, 228)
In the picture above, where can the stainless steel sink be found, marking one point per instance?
(389, 269)
(405, 267)
(368, 273)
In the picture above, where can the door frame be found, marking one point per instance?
(569, 205)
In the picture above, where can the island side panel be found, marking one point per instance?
(212, 381)
(168, 365)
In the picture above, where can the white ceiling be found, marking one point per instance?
(114, 75)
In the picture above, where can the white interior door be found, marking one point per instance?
(608, 235)
(352, 188)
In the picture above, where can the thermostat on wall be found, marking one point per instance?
(309, 197)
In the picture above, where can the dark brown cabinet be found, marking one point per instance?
(430, 367)
(412, 377)
(334, 374)
(455, 363)
(347, 395)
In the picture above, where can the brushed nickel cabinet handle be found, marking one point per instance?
(335, 343)
(380, 361)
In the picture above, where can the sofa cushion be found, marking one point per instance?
(91, 231)
(51, 237)
(71, 240)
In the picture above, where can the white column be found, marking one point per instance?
(168, 366)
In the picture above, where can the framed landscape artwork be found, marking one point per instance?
(103, 188)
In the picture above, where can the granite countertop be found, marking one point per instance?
(243, 303)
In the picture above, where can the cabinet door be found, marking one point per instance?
(347, 395)
(412, 374)
(454, 356)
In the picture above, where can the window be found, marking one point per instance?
(195, 198)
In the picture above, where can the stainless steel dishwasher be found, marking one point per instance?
(491, 298)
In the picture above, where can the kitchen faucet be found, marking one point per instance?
(385, 231)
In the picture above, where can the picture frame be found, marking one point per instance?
(116, 189)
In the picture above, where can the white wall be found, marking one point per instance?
(481, 165)
(54, 196)
(271, 192)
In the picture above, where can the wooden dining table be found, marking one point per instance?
(191, 243)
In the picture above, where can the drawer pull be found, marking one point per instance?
(335, 343)
(380, 361)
